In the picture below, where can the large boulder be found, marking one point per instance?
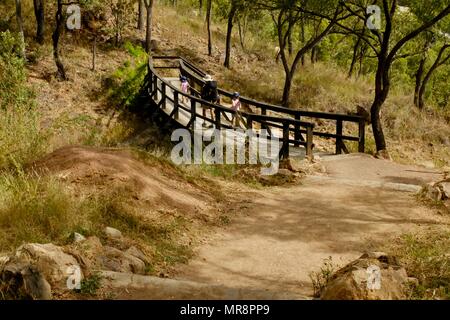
(35, 270)
(374, 276)
(49, 259)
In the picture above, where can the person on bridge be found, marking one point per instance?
(236, 106)
(185, 86)
(210, 94)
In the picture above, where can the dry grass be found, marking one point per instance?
(426, 258)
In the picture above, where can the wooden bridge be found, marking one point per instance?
(295, 128)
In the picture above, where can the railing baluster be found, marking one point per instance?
(362, 136)
(193, 113)
(339, 137)
(297, 133)
(309, 142)
(163, 97)
(175, 105)
(285, 152)
(218, 114)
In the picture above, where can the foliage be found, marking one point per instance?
(21, 139)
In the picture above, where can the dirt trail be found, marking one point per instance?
(287, 232)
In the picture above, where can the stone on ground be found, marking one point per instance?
(351, 282)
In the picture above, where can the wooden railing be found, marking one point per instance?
(195, 76)
(162, 92)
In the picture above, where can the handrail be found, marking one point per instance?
(264, 120)
(298, 114)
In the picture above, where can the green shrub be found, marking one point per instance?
(21, 139)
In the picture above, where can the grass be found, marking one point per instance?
(426, 257)
(43, 210)
(321, 278)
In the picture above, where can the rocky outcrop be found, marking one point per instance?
(38, 271)
(437, 191)
(35, 269)
(374, 276)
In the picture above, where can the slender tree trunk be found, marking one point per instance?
(229, 34)
(20, 27)
(355, 57)
(39, 12)
(208, 25)
(56, 37)
(302, 37)
(419, 76)
(141, 15)
(94, 53)
(148, 37)
(437, 63)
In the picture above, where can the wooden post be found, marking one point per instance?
(163, 97)
(285, 152)
(339, 137)
(297, 133)
(362, 136)
(175, 105)
(193, 113)
(309, 142)
(218, 117)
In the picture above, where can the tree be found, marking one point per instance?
(20, 27)
(141, 17)
(387, 45)
(285, 15)
(423, 78)
(208, 24)
(59, 18)
(231, 15)
(148, 36)
(39, 12)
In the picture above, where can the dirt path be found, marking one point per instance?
(287, 232)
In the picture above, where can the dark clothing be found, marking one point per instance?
(209, 92)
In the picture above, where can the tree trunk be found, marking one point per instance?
(229, 34)
(419, 76)
(287, 90)
(20, 27)
(148, 37)
(56, 35)
(208, 25)
(141, 16)
(94, 53)
(39, 12)
(355, 57)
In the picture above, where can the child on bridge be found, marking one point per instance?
(185, 86)
(236, 106)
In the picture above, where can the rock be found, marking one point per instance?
(445, 187)
(352, 281)
(285, 173)
(432, 192)
(135, 252)
(113, 233)
(78, 237)
(427, 164)
(113, 259)
(49, 259)
(155, 44)
(25, 281)
(36, 269)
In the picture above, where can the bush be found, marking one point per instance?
(21, 139)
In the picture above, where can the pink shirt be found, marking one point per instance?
(235, 104)
(185, 87)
